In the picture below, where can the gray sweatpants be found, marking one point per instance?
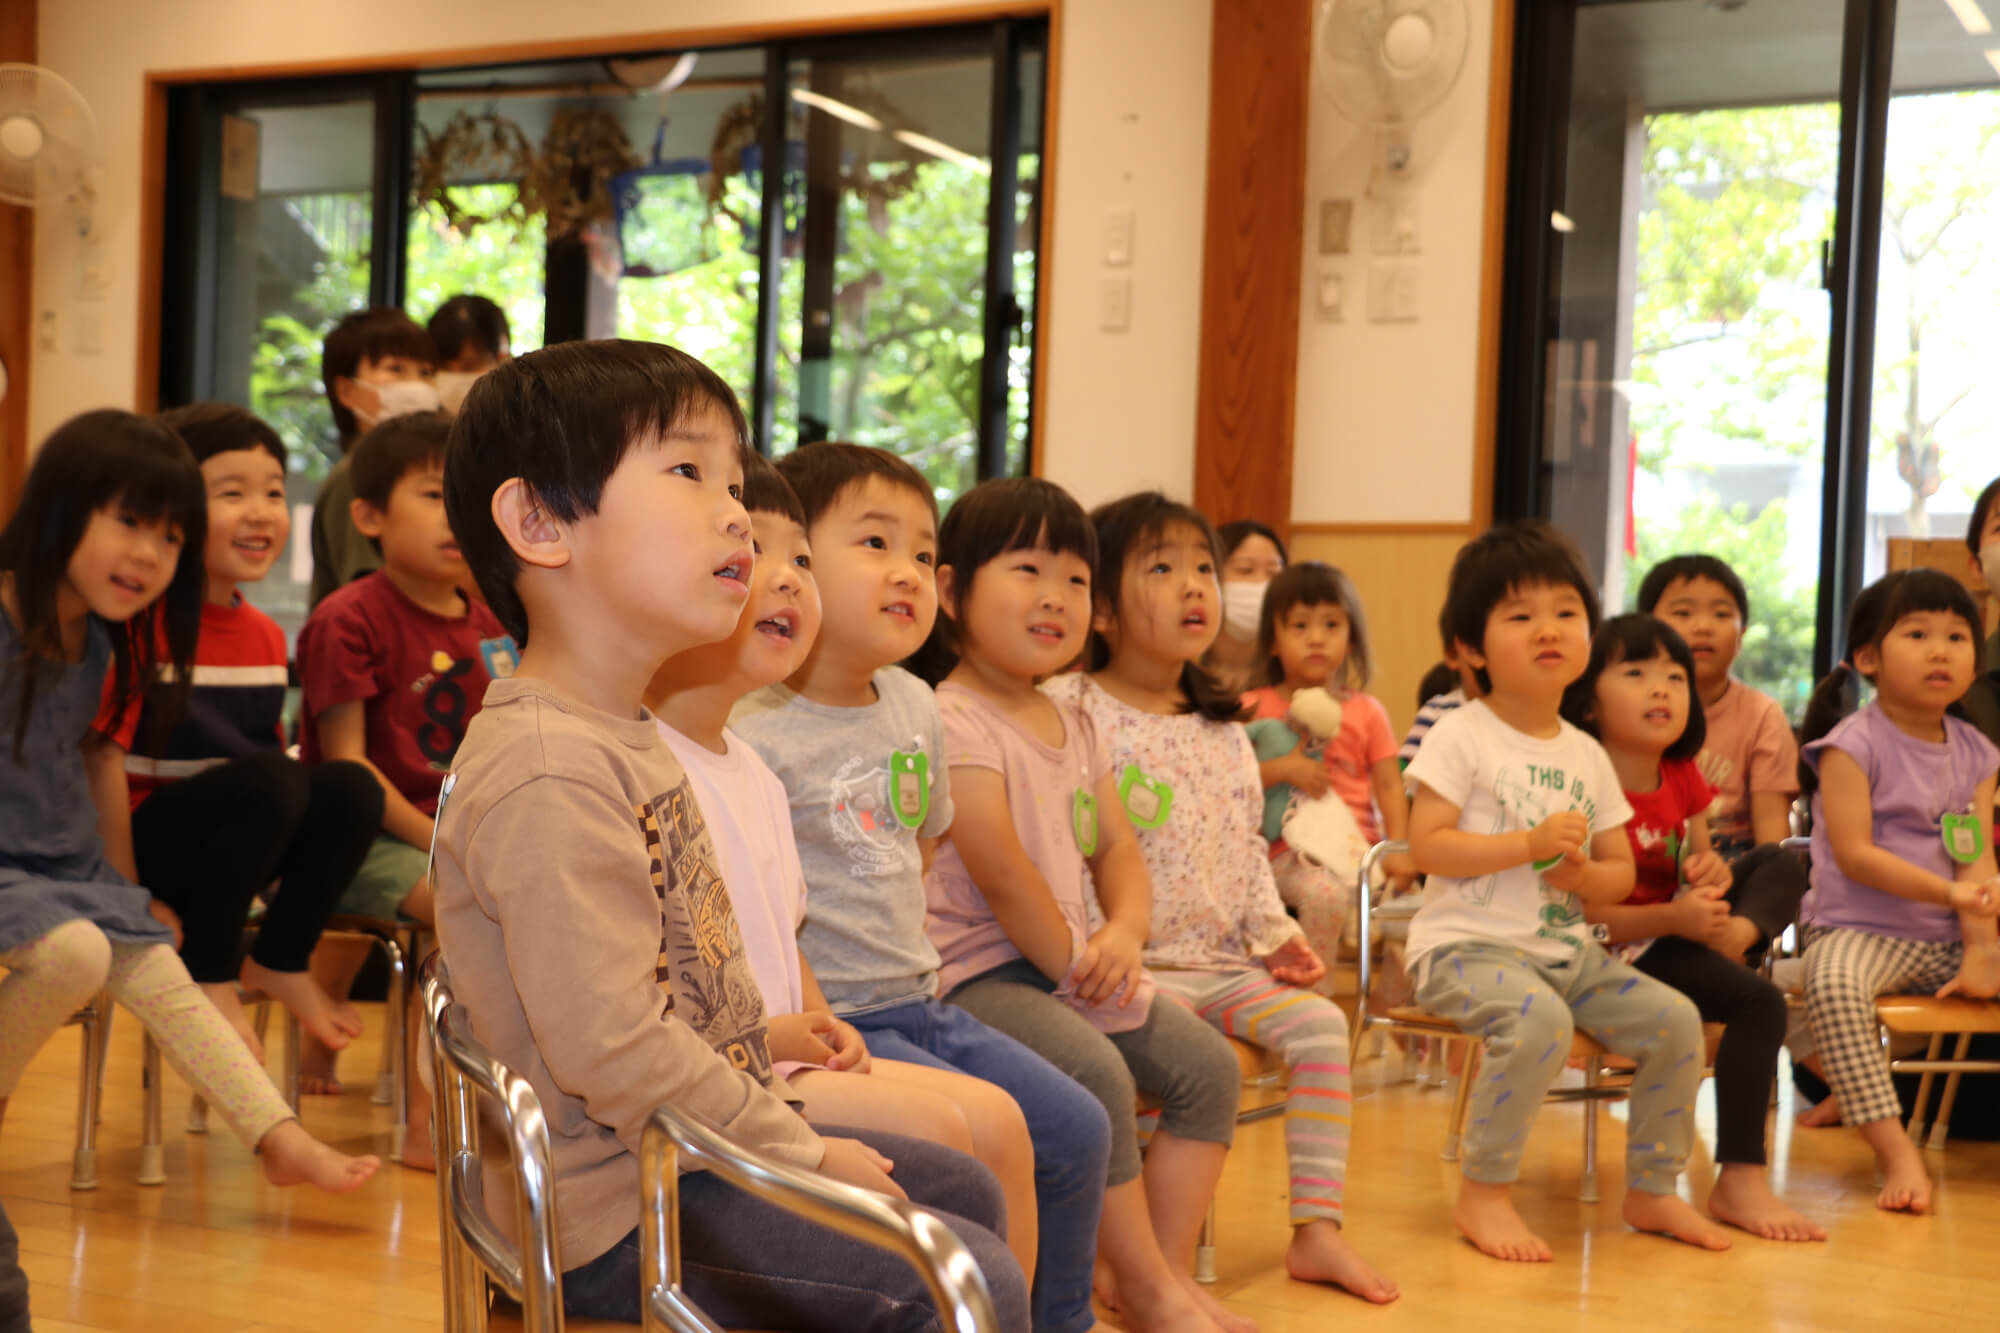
(1173, 1057)
(1527, 1010)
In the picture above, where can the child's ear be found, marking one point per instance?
(1468, 655)
(366, 517)
(529, 529)
(1868, 660)
(1101, 620)
(947, 590)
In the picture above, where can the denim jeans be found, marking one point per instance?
(1068, 1125)
(750, 1264)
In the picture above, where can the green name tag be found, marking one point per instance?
(1083, 817)
(910, 787)
(1964, 837)
(1147, 800)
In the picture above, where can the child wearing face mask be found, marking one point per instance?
(377, 364)
(1982, 541)
(472, 338)
(1253, 557)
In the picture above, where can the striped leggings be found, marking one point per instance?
(1310, 1033)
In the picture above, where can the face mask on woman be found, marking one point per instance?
(1242, 603)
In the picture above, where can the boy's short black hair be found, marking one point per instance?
(1982, 508)
(1661, 576)
(562, 419)
(821, 472)
(221, 428)
(368, 335)
(1492, 565)
(1636, 637)
(1234, 533)
(391, 451)
(765, 490)
(467, 318)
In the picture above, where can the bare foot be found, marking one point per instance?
(1823, 1114)
(1906, 1186)
(1320, 1253)
(1225, 1318)
(1671, 1215)
(1486, 1217)
(1167, 1308)
(294, 1157)
(222, 994)
(1742, 1197)
(331, 1024)
(1978, 975)
(316, 1070)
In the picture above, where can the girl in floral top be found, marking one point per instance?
(1188, 781)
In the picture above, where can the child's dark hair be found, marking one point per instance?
(562, 419)
(1636, 637)
(467, 318)
(1440, 679)
(1661, 576)
(1315, 583)
(1982, 509)
(765, 490)
(209, 429)
(396, 447)
(1501, 560)
(821, 472)
(1871, 617)
(1234, 533)
(988, 521)
(368, 335)
(89, 463)
(1125, 528)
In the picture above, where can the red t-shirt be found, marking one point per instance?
(420, 677)
(235, 707)
(1658, 829)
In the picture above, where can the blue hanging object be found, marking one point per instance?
(662, 214)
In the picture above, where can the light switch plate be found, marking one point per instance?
(1114, 305)
(1119, 225)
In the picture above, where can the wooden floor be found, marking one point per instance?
(216, 1249)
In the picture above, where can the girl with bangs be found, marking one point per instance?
(1691, 919)
(1187, 779)
(95, 574)
(1904, 896)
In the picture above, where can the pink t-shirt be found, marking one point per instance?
(1750, 748)
(750, 822)
(1364, 740)
(1042, 786)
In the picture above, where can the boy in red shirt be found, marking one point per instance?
(394, 665)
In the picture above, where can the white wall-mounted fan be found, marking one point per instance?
(1386, 63)
(48, 137)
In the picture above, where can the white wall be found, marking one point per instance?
(1132, 133)
(1385, 411)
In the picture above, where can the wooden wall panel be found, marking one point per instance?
(1259, 90)
(17, 281)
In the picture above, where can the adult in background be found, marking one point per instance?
(1252, 555)
(472, 337)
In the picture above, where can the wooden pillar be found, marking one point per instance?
(1259, 97)
(17, 281)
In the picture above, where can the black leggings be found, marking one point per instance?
(1768, 885)
(208, 845)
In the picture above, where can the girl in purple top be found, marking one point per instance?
(1904, 889)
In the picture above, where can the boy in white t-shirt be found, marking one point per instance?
(1518, 821)
(824, 1058)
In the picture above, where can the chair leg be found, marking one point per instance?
(90, 1087)
(1924, 1089)
(1941, 1127)
(152, 1151)
(1587, 1190)
(1454, 1127)
(396, 1032)
(295, 1036)
(1204, 1250)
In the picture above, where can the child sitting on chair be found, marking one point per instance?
(1518, 823)
(595, 488)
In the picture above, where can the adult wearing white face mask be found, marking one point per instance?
(1982, 539)
(377, 364)
(1252, 555)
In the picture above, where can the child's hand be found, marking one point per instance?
(1566, 875)
(1306, 773)
(1110, 960)
(1700, 915)
(853, 1162)
(1399, 872)
(1977, 899)
(1558, 835)
(1707, 870)
(1295, 963)
(167, 917)
(849, 1047)
(802, 1037)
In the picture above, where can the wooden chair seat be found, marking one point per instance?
(1923, 1015)
(506, 1318)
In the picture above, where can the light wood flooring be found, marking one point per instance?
(218, 1250)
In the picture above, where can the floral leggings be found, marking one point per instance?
(50, 978)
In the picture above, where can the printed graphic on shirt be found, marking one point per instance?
(1716, 768)
(702, 967)
(447, 687)
(862, 810)
(1527, 794)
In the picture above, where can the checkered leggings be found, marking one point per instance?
(1845, 971)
